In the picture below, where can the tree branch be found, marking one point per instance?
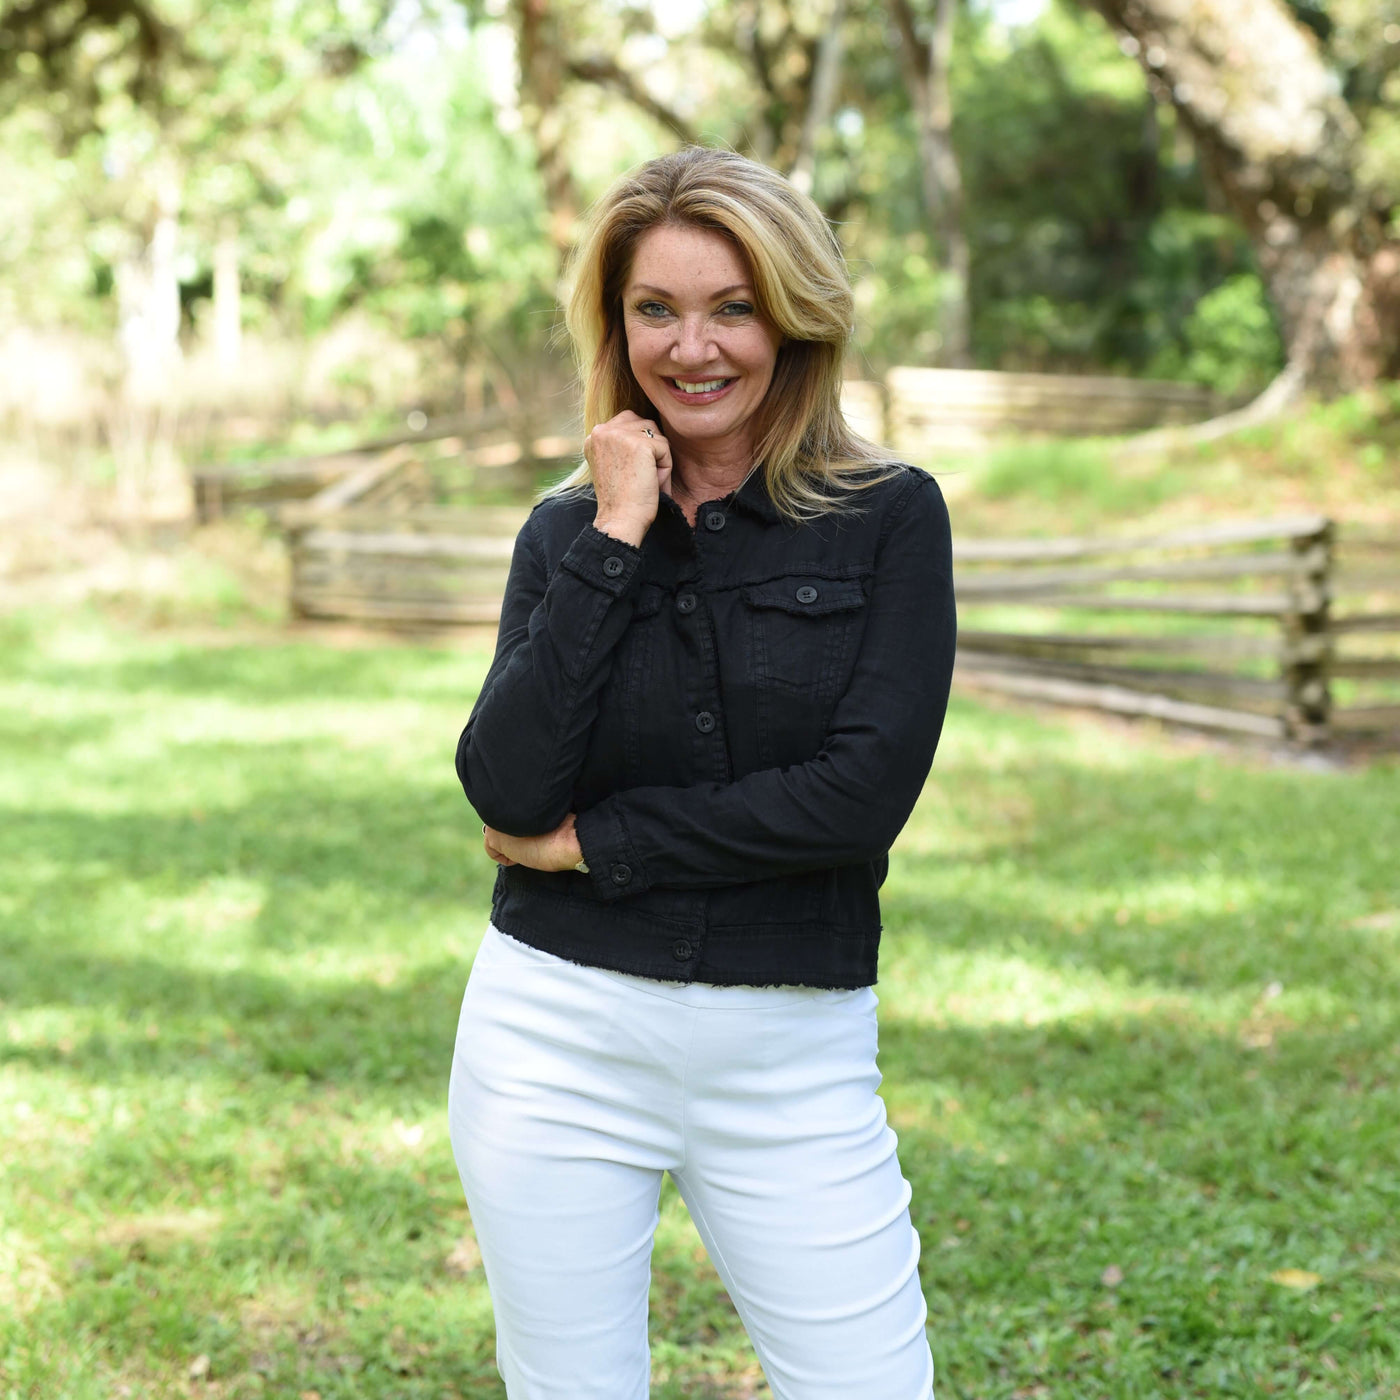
(608, 73)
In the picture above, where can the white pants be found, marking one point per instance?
(573, 1089)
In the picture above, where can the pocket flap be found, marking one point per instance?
(649, 600)
(807, 596)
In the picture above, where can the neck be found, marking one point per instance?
(705, 474)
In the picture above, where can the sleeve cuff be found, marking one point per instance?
(607, 564)
(613, 865)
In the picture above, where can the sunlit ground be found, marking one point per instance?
(1140, 1007)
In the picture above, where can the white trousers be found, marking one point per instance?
(573, 1089)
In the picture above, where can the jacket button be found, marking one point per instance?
(704, 721)
(612, 566)
(806, 594)
(714, 520)
(621, 874)
(681, 949)
(685, 603)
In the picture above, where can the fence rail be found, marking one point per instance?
(1268, 627)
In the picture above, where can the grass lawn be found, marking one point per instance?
(1140, 1034)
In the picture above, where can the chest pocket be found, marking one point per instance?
(803, 631)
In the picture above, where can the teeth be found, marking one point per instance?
(707, 386)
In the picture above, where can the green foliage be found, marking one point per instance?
(1087, 263)
(1139, 1019)
(375, 159)
(1230, 340)
(431, 219)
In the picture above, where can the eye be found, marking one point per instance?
(736, 308)
(654, 310)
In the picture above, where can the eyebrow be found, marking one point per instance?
(723, 291)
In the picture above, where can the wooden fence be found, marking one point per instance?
(484, 450)
(1282, 629)
(1279, 628)
(920, 412)
(387, 545)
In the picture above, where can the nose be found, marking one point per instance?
(693, 346)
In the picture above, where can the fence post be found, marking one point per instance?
(1307, 639)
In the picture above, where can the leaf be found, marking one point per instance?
(1300, 1279)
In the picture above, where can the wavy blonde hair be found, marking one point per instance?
(810, 456)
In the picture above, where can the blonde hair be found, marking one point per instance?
(810, 457)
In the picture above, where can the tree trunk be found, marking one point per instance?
(821, 98)
(1282, 149)
(150, 480)
(926, 73)
(543, 61)
(228, 303)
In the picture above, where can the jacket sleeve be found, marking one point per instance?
(846, 805)
(525, 741)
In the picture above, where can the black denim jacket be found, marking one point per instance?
(742, 715)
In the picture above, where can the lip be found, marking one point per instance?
(681, 396)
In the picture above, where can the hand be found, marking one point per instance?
(631, 465)
(555, 850)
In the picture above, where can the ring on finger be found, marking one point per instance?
(649, 432)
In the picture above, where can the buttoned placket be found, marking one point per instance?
(708, 542)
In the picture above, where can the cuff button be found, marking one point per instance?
(621, 874)
(612, 566)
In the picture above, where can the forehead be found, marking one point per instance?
(682, 258)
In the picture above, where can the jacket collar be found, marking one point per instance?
(753, 497)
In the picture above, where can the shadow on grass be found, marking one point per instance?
(387, 1041)
(263, 674)
(1181, 874)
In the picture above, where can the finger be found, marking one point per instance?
(656, 440)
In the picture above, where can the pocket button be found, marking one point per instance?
(806, 594)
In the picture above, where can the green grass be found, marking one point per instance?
(1140, 1030)
(1341, 458)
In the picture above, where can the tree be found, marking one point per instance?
(559, 46)
(171, 118)
(1283, 141)
(927, 65)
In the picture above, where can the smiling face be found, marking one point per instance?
(696, 342)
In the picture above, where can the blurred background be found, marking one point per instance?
(232, 224)
(280, 365)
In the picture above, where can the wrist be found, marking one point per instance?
(570, 851)
(628, 530)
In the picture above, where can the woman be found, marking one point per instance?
(722, 668)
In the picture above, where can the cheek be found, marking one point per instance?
(644, 348)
